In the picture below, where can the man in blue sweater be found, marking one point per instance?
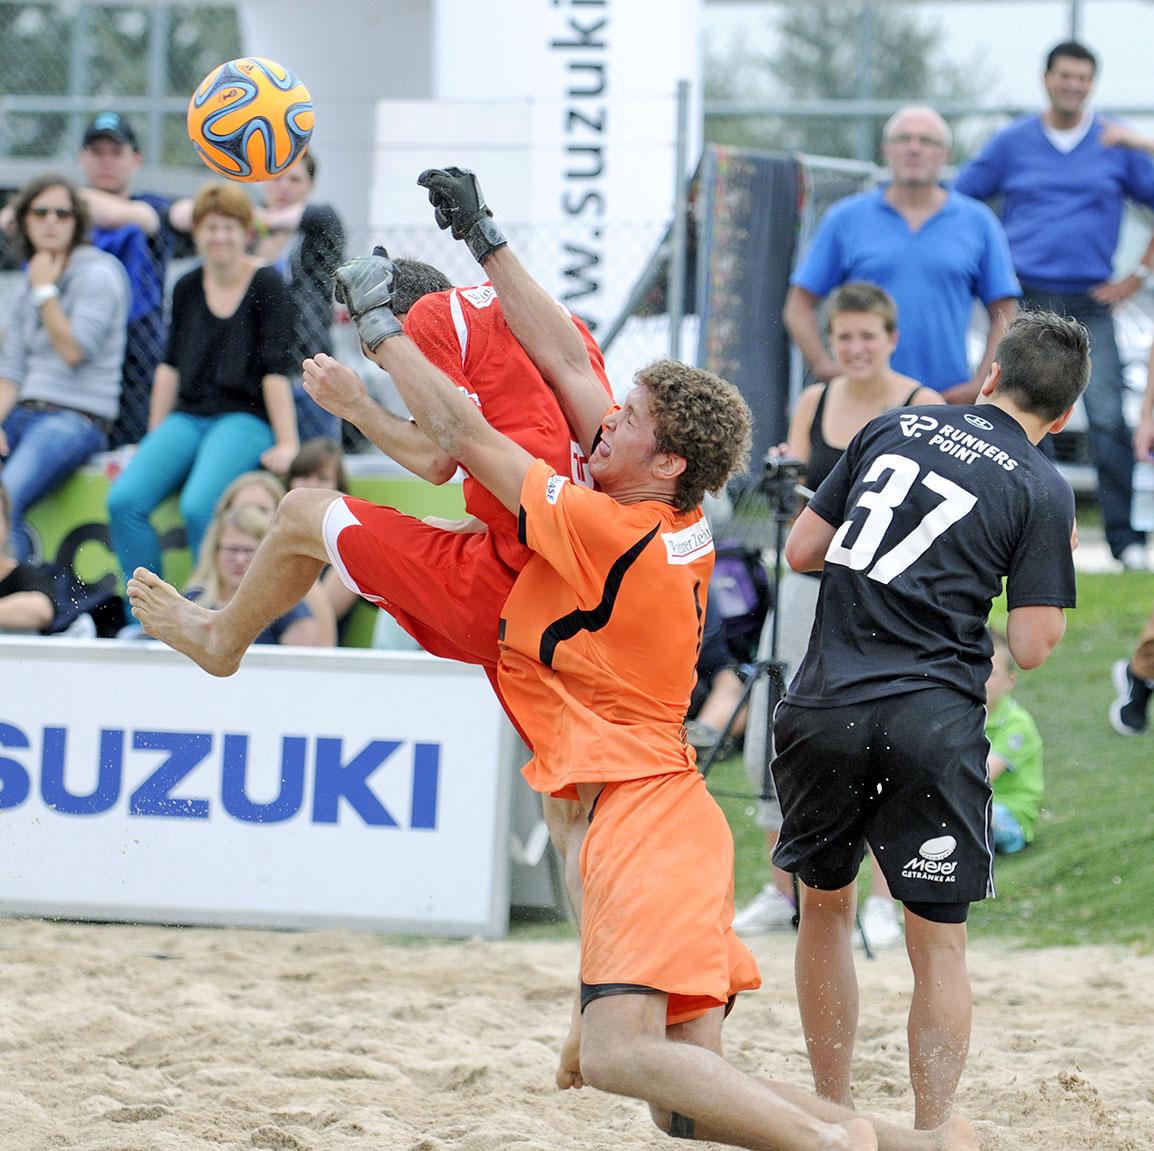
(1063, 191)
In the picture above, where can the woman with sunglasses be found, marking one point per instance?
(61, 361)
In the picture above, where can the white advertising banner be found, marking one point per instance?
(313, 788)
(567, 111)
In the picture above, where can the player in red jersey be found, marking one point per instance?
(445, 586)
(388, 557)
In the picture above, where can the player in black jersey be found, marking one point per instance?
(880, 736)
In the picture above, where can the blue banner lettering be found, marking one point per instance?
(14, 781)
(109, 773)
(350, 780)
(187, 750)
(292, 781)
(426, 778)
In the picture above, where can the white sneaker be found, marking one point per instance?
(1134, 558)
(880, 923)
(769, 911)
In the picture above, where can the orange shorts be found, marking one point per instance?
(657, 871)
(446, 589)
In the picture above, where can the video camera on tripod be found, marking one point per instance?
(780, 480)
(780, 486)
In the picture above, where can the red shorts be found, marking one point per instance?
(657, 871)
(446, 589)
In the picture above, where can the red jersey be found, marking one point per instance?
(601, 632)
(464, 333)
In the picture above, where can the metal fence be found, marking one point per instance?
(823, 77)
(60, 63)
(979, 61)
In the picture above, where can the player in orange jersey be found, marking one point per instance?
(598, 647)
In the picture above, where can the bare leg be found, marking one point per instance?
(723, 698)
(878, 885)
(285, 567)
(827, 992)
(624, 1050)
(940, 1016)
(782, 880)
(569, 1065)
(567, 825)
(704, 1031)
(1142, 661)
(953, 1135)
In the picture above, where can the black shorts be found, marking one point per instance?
(907, 774)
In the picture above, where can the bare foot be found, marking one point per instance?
(569, 1065)
(956, 1134)
(185, 626)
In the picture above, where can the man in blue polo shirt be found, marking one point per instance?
(1063, 191)
(934, 251)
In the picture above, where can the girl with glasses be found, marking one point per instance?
(229, 545)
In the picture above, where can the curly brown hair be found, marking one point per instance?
(703, 419)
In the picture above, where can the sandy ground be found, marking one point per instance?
(152, 1039)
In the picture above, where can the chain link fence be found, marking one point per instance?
(62, 63)
(817, 79)
(823, 77)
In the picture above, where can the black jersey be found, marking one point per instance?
(934, 508)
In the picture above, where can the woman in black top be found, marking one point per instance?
(221, 400)
(862, 327)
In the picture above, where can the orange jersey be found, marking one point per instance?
(600, 634)
(464, 333)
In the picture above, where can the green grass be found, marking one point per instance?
(1089, 875)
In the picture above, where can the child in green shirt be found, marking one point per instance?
(1015, 759)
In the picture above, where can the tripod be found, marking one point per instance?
(782, 491)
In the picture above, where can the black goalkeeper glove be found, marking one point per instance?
(459, 204)
(365, 287)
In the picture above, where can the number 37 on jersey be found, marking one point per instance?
(903, 483)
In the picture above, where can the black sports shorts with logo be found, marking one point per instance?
(907, 774)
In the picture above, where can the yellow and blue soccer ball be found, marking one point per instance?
(250, 119)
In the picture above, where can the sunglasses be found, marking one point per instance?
(59, 213)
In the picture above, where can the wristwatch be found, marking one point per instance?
(1142, 272)
(42, 293)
